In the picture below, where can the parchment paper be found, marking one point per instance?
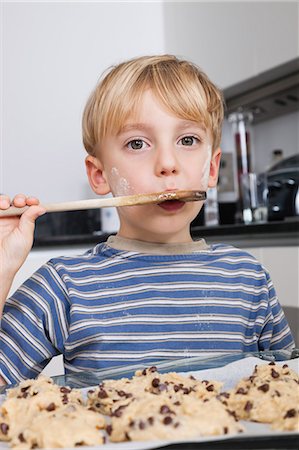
(229, 375)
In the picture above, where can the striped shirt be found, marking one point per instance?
(126, 302)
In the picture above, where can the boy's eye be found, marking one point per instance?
(136, 144)
(188, 140)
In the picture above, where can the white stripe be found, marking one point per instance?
(135, 320)
(27, 335)
(167, 287)
(91, 279)
(162, 302)
(21, 354)
(42, 303)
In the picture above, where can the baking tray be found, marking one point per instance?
(228, 368)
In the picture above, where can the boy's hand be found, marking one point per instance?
(16, 233)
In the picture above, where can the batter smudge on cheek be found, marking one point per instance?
(120, 185)
(204, 179)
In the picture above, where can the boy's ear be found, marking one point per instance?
(96, 175)
(214, 168)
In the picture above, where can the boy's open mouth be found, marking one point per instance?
(171, 205)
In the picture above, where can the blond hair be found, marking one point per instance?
(180, 85)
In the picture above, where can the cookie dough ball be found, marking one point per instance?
(269, 395)
(69, 426)
(24, 402)
(160, 417)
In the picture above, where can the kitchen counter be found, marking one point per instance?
(283, 233)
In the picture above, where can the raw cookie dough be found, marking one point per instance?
(269, 395)
(69, 426)
(163, 417)
(24, 402)
(43, 402)
(112, 394)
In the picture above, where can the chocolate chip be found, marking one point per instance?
(150, 420)
(142, 425)
(248, 406)
(65, 390)
(272, 363)
(24, 389)
(241, 391)
(91, 391)
(109, 429)
(65, 399)
(118, 412)
(264, 387)
(225, 430)
(285, 366)
(186, 391)
(21, 437)
(277, 393)
(274, 373)
(290, 413)
(51, 407)
(153, 369)
(164, 409)
(225, 394)
(4, 428)
(232, 413)
(132, 423)
(102, 393)
(144, 372)
(177, 403)
(176, 388)
(210, 388)
(155, 382)
(121, 393)
(192, 378)
(167, 420)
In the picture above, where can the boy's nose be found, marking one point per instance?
(166, 163)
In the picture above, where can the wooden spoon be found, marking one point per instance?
(128, 200)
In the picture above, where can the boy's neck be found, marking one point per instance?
(125, 244)
(167, 238)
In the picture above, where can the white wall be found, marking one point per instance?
(232, 40)
(54, 52)
(53, 55)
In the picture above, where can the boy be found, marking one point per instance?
(149, 293)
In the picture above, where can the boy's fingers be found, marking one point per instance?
(19, 200)
(32, 201)
(4, 202)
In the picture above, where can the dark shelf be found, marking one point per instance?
(271, 233)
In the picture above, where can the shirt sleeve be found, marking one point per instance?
(276, 333)
(34, 325)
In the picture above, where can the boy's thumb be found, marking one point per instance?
(28, 218)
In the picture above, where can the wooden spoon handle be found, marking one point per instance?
(128, 200)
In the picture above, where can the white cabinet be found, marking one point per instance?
(283, 265)
(232, 41)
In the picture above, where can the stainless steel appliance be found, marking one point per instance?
(283, 185)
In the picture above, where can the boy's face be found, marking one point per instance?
(156, 151)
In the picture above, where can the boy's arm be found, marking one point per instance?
(16, 239)
(276, 332)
